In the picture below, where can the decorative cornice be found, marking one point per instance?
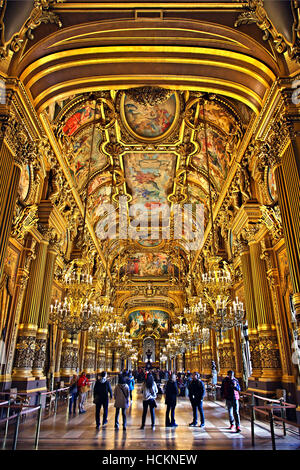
(257, 14)
(41, 13)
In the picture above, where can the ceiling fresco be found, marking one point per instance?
(152, 153)
(149, 177)
(149, 121)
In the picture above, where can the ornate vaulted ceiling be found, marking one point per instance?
(148, 146)
(118, 89)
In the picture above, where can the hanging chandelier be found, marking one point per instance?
(217, 310)
(76, 312)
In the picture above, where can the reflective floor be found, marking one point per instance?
(79, 432)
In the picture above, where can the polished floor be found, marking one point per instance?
(79, 432)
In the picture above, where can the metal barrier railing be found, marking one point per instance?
(268, 411)
(20, 411)
(55, 394)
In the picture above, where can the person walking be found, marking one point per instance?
(230, 389)
(196, 394)
(171, 399)
(102, 389)
(121, 396)
(82, 384)
(73, 390)
(149, 390)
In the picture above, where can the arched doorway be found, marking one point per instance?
(149, 346)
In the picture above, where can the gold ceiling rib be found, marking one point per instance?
(179, 60)
(147, 49)
(236, 91)
(84, 36)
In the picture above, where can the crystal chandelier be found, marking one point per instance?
(76, 312)
(218, 311)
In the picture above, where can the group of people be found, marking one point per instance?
(122, 395)
(79, 387)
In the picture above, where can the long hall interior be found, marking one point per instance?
(150, 218)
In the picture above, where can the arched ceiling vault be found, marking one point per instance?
(117, 56)
(175, 54)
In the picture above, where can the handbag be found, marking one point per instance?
(126, 396)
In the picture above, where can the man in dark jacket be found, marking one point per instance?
(230, 391)
(196, 394)
(171, 399)
(102, 389)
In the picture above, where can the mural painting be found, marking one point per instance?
(149, 264)
(149, 121)
(100, 196)
(81, 116)
(149, 177)
(24, 183)
(272, 185)
(79, 164)
(140, 319)
(217, 115)
(219, 158)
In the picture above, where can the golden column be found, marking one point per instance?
(28, 254)
(108, 358)
(268, 342)
(228, 360)
(66, 363)
(101, 358)
(286, 173)
(244, 253)
(117, 361)
(238, 359)
(10, 171)
(180, 363)
(26, 343)
(58, 349)
(188, 362)
(282, 324)
(42, 332)
(75, 355)
(89, 358)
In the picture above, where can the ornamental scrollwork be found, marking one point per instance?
(25, 351)
(256, 13)
(41, 13)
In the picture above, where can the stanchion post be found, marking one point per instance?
(16, 433)
(283, 415)
(38, 427)
(6, 424)
(68, 402)
(272, 429)
(56, 400)
(252, 426)
(253, 403)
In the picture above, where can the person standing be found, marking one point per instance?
(196, 394)
(121, 396)
(149, 390)
(73, 394)
(171, 399)
(82, 385)
(102, 390)
(230, 389)
(130, 384)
